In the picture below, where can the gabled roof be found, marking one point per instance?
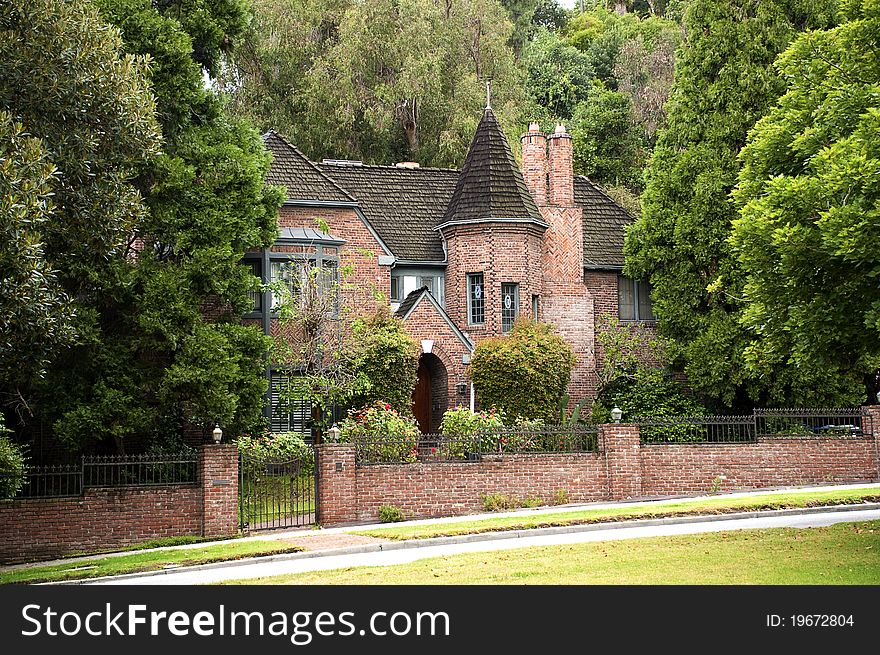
(604, 226)
(491, 185)
(402, 204)
(413, 300)
(292, 170)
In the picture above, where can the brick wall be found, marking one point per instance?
(108, 518)
(622, 469)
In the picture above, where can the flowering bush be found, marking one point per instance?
(382, 433)
(460, 423)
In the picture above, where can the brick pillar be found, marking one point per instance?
(337, 484)
(622, 450)
(559, 168)
(874, 426)
(218, 475)
(534, 163)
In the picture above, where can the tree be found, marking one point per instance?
(35, 312)
(165, 349)
(724, 82)
(559, 75)
(808, 234)
(525, 373)
(377, 80)
(85, 147)
(605, 145)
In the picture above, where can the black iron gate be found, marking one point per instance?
(275, 493)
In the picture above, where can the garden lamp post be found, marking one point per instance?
(333, 433)
(616, 414)
(217, 433)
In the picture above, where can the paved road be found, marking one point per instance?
(257, 569)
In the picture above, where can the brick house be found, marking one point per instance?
(461, 254)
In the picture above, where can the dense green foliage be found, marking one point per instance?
(35, 313)
(63, 259)
(13, 464)
(525, 373)
(462, 422)
(808, 236)
(376, 80)
(383, 434)
(633, 377)
(153, 266)
(384, 360)
(724, 82)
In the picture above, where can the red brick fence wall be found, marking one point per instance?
(622, 468)
(106, 518)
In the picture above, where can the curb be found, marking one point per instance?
(485, 536)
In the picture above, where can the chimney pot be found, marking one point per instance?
(534, 163)
(560, 129)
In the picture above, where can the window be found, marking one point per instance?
(535, 306)
(288, 412)
(298, 274)
(509, 305)
(404, 282)
(476, 299)
(634, 300)
(256, 268)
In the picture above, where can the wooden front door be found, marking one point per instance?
(422, 397)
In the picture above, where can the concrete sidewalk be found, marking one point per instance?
(327, 540)
(404, 552)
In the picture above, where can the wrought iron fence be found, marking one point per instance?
(697, 429)
(101, 471)
(449, 448)
(801, 422)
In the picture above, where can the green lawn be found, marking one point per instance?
(846, 553)
(152, 561)
(720, 505)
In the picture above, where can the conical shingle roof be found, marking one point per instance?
(491, 186)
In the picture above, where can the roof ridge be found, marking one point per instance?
(270, 131)
(395, 168)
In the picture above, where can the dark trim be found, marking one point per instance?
(480, 221)
(413, 263)
(599, 268)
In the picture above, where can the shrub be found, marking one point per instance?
(13, 465)
(498, 502)
(279, 446)
(384, 435)
(532, 500)
(390, 514)
(460, 423)
(384, 359)
(561, 497)
(525, 373)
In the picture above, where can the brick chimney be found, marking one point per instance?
(560, 172)
(534, 163)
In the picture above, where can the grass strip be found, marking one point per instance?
(138, 562)
(841, 554)
(711, 506)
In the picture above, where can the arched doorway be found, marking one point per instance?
(430, 397)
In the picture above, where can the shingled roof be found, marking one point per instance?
(302, 179)
(604, 225)
(402, 204)
(491, 185)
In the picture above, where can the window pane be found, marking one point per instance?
(330, 282)
(509, 305)
(409, 284)
(428, 282)
(476, 299)
(256, 295)
(646, 313)
(535, 303)
(625, 299)
(395, 288)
